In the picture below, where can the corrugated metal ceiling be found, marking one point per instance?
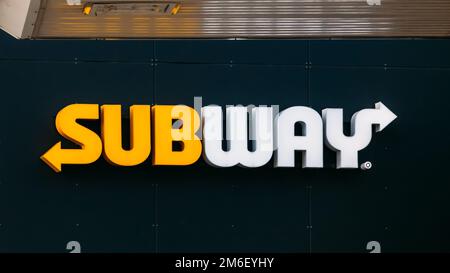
(254, 19)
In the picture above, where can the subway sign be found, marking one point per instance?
(154, 130)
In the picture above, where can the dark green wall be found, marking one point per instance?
(402, 202)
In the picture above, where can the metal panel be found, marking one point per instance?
(233, 51)
(400, 201)
(403, 53)
(203, 208)
(42, 211)
(71, 50)
(251, 18)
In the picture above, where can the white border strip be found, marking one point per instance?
(18, 17)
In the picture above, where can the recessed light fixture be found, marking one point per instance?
(136, 8)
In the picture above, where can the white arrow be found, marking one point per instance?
(381, 117)
(347, 147)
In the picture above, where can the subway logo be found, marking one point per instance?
(253, 134)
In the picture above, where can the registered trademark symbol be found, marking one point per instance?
(74, 247)
(366, 165)
(373, 247)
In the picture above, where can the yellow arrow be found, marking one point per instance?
(56, 156)
(67, 126)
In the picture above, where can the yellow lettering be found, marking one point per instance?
(191, 146)
(67, 126)
(140, 135)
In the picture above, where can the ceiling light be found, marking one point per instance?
(135, 8)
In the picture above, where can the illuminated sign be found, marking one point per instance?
(152, 133)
